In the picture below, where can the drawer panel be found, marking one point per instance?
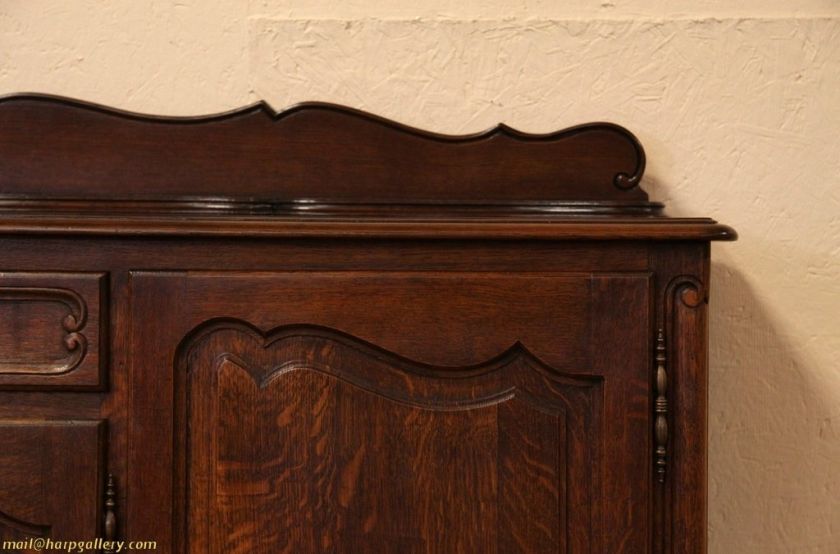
(51, 475)
(51, 329)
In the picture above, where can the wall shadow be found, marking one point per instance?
(773, 452)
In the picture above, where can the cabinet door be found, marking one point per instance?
(392, 412)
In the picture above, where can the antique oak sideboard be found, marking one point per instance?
(323, 331)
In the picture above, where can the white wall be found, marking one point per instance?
(737, 103)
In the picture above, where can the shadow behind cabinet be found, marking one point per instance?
(321, 331)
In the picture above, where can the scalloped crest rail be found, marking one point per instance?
(319, 330)
(313, 153)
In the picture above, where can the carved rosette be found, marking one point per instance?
(688, 289)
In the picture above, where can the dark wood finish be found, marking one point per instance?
(256, 159)
(454, 449)
(465, 334)
(50, 479)
(109, 529)
(50, 328)
(660, 229)
(320, 331)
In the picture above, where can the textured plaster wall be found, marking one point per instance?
(737, 103)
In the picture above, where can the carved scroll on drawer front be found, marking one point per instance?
(51, 329)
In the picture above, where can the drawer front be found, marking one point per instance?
(409, 411)
(51, 330)
(51, 479)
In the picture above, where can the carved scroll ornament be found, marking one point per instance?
(73, 323)
(691, 293)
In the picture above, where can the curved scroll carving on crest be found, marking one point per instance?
(12, 528)
(73, 323)
(626, 182)
(379, 371)
(297, 159)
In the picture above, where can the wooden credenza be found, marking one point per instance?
(321, 331)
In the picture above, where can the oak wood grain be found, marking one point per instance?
(53, 329)
(321, 331)
(312, 153)
(321, 442)
(50, 475)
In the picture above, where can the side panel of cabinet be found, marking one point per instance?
(368, 411)
(682, 279)
(51, 479)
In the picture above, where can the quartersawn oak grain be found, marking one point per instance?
(322, 331)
